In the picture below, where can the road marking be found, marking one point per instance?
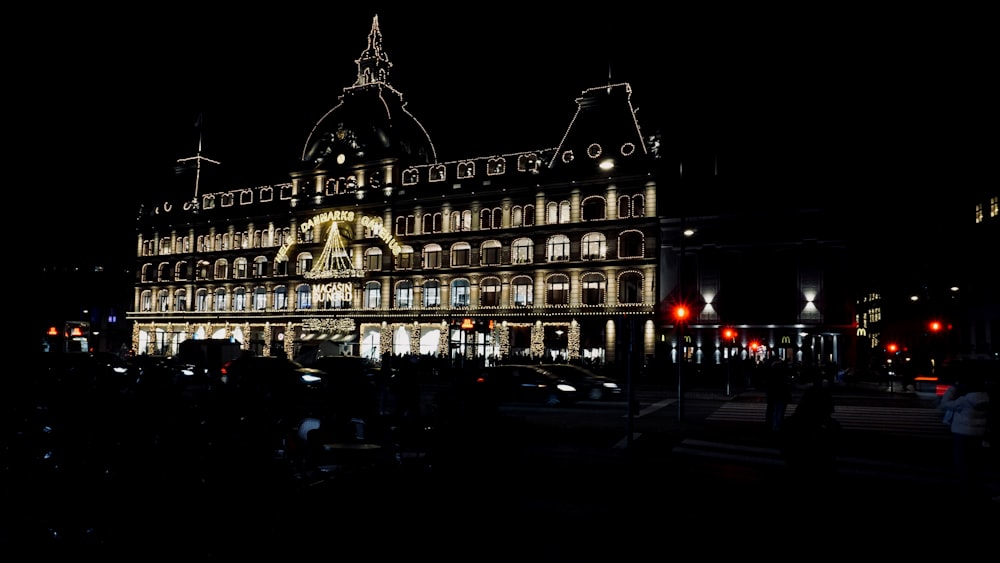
(923, 422)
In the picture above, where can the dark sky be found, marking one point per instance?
(865, 104)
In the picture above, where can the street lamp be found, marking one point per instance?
(681, 314)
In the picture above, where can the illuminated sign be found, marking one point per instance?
(334, 261)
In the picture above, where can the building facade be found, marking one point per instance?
(571, 253)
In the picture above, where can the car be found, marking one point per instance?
(592, 386)
(527, 384)
(353, 384)
(284, 386)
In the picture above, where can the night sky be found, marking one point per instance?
(859, 104)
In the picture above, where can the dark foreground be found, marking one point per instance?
(493, 487)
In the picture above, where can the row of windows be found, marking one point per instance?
(593, 292)
(593, 246)
(592, 209)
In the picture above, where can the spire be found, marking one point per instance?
(373, 65)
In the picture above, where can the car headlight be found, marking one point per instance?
(566, 387)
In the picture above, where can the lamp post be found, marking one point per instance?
(729, 337)
(680, 317)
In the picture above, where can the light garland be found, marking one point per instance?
(444, 338)
(573, 340)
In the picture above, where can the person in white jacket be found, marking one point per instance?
(968, 401)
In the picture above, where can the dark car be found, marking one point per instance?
(527, 384)
(592, 386)
(352, 384)
(284, 387)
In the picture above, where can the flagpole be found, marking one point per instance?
(197, 160)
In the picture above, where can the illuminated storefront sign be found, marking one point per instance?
(334, 261)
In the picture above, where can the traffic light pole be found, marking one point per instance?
(680, 366)
(680, 330)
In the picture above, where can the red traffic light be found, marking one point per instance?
(729, 334)
(935, 326)
(680, 313)
(893, 348)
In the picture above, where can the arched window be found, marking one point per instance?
(219, 302)
(521, 292)
(373, 295)
(432, 222)
(558, 248)
(281, 267)
(404, 294)
(405, 258)
(432, 293)
(630, 244)
(259, 298)
(557, 290)
(490, 218)
(594, 208)
(180, 300)
(489, 292)
(593, 246)
(432, 256)
(304, 263)
(461, 254)
(280, 298)
(557, 212)
(201, 300)
(259, 267)
(373, 259)
(522, 251)
(593, 286)
(630, 287)
(240, 299)
(221, 269)
(163, 300)
(460, 293)
(489, 255)
(638, 205)
(240, 268)
(303, 297)
(180, 271)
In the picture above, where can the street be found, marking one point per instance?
(563, 484)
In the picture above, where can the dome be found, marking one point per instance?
(370, 123)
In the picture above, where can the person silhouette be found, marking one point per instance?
(968, 401)
(778, 391)
(809, 440)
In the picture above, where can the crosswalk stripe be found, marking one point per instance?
(921, 422)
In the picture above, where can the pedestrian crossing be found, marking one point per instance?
(912, 422)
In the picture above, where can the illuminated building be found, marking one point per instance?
(375, 246)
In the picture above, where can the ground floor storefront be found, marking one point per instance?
(459, 341)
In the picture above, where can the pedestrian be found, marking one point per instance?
(778, 391)
(809, 441)
(966, 406)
